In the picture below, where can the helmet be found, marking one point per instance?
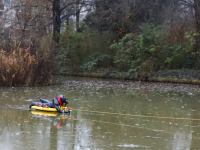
(64, 100)
(60, 95)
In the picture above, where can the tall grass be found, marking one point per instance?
(19, 67)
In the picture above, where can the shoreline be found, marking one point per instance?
(169, 76)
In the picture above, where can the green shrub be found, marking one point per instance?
(150, 51)
(88, 49)
(182, 54)
(95, 60)
(134, 51)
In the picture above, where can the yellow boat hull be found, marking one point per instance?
(44, 113)
(49, 109)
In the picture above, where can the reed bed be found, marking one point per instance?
(18, 67)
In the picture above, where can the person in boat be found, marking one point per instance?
(60, 100)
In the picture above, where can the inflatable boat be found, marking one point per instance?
(39, 113)
(50, 109)
(44, 113)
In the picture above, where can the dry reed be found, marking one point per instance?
(19, 67)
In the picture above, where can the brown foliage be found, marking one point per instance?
(176, 33)
(19, 67)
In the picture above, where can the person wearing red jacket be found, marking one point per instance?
(60, 100)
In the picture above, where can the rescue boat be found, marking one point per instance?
(44, 113)
(50, 109)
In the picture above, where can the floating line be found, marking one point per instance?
(139, 127)
(110, 113)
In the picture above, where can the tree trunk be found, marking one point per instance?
(56, 21)
(197, 17)
(77, 14)
(1, 7)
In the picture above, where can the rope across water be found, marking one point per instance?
(110, 113)
(134, 126)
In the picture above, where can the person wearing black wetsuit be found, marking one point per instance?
(60, 100)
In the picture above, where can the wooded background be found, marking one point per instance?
(86, 35)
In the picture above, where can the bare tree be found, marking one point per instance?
(25, 20)
(45, 15)
(63, 10)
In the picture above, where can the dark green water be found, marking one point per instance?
(104, 117)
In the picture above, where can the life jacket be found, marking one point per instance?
(60, 102)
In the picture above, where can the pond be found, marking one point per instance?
(106, 114)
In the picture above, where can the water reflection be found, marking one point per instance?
(56, 118)
(104, 116)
